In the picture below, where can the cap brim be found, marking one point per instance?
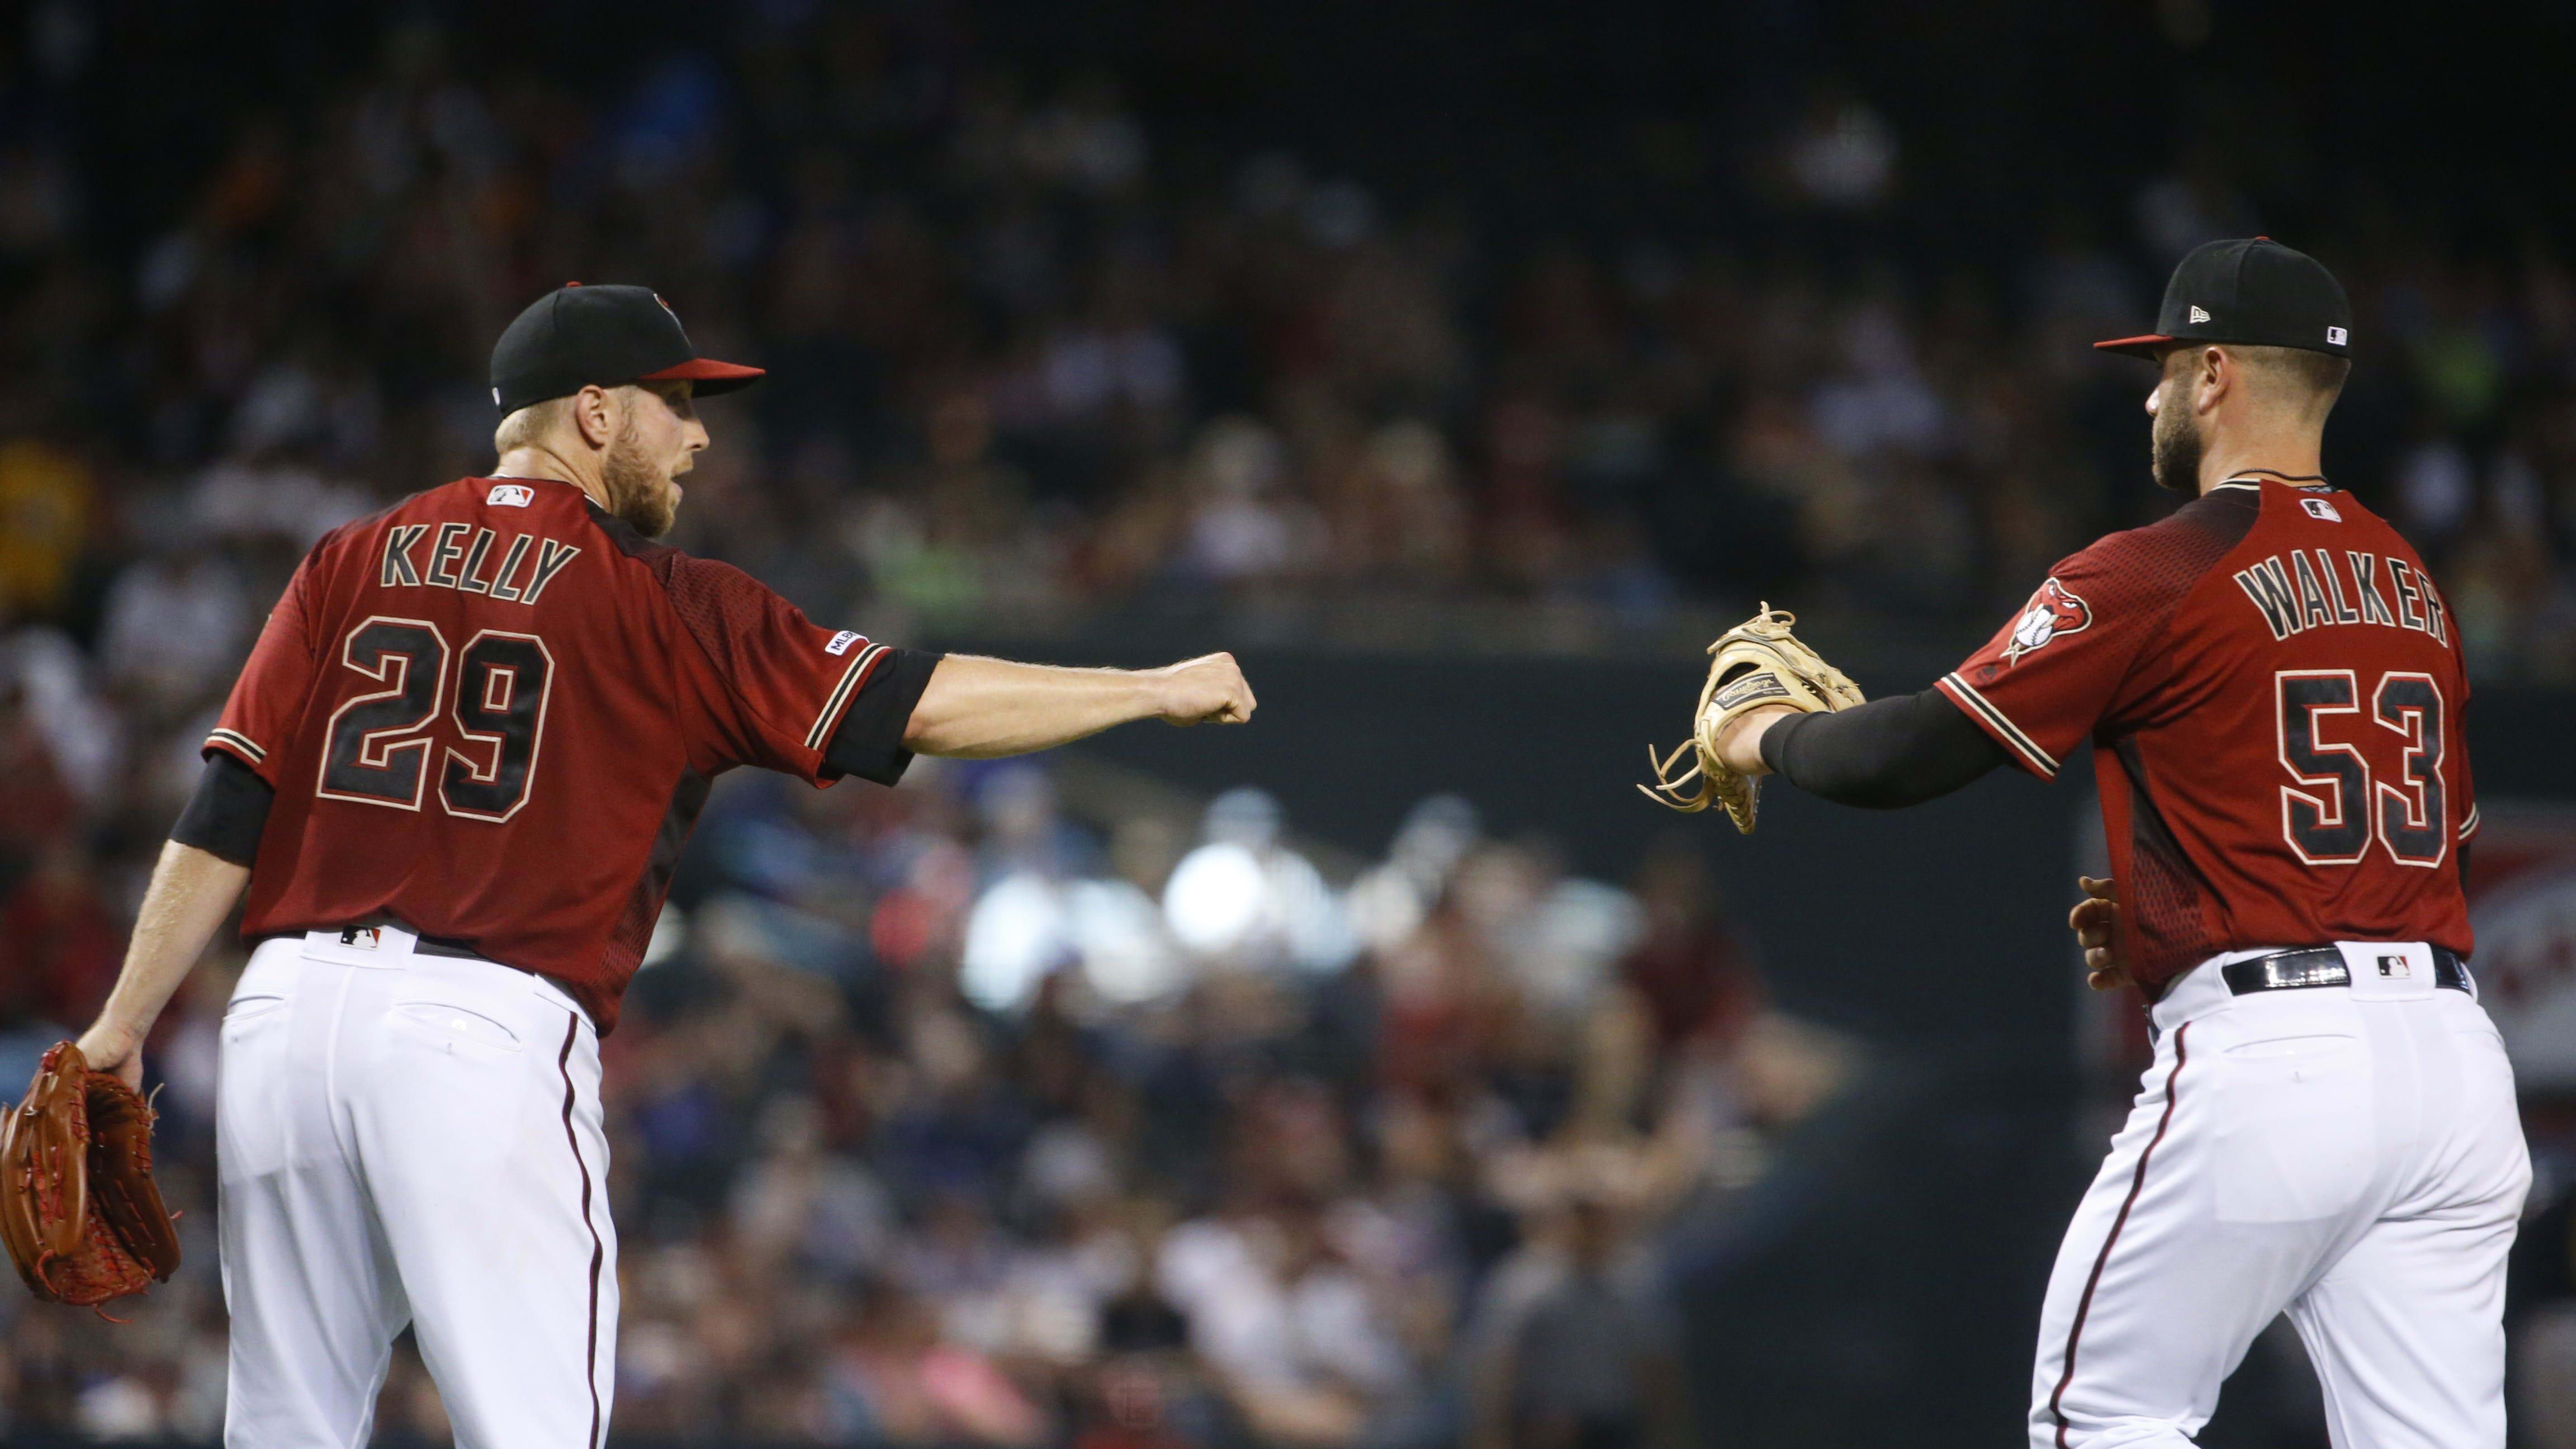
(711, 376)
(2147, 347)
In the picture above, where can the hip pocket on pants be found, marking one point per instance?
(457, 1030)
(253, 1086)
(2298, 1136)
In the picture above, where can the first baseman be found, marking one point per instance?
(2273, 692)
(455, 776)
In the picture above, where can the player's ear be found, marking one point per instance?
(2213, 374)
(593, 415)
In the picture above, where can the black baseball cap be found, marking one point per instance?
(575, 336)
(2252, 291)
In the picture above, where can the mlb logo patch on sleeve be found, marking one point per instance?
(510, 495)
(842, 641)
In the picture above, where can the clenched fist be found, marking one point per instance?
(1207, 690)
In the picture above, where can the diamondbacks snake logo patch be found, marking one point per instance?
(2053, 611)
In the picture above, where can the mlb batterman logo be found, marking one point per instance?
(2053, 611)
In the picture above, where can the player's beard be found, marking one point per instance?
(2174, 444)
(638, 492)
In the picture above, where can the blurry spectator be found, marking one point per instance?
(45, 504)
(1293, 1333)
(35, 807)
(1576, 1353)
(60, 944)
(1245, 528)
(1688, 964)
(60, 732)
(893, 1381)
(807, 1210)
(1556, 936)
(1246, 900)
(1843, 156)
(176, 623)
(1389, 903)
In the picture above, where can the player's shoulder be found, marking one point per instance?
(715, 601)
(674, 570)
(2328, 510)
(2174, 552)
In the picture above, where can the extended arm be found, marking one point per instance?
(192, 891)
(201, 873)
(1884, 755)
(980, 709)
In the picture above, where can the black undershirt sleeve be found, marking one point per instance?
(229, 810)
(1883, 755)
(868, 742)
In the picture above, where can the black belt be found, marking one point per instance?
(421, 945)
(2325, 966)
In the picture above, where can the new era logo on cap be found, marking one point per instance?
(2334, 337)
(2197, 315)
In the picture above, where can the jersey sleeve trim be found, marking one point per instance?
(228, 812)
(868, 742)
(2469, 823)
(1996, 723)
(852, 679)
(235, 743)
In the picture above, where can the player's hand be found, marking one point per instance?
(2093, 920)
(1739, 745)
(1207, 690)
(108, 1049)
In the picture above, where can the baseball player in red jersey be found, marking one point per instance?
(2273, 692)
(455, 776)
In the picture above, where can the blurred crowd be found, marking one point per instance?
(940, 1116)
(1038, 359)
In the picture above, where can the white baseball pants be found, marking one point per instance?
(409, 1138)
(2350, 1155)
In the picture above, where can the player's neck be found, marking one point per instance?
(539, 461)
(2292, 452)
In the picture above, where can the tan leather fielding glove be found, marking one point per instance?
(1757, 663)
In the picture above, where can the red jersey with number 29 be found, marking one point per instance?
(2275, 698)
(491, 714)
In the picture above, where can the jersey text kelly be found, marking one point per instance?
(455, 561)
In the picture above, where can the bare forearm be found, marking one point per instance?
(191, 893)
(979, 709)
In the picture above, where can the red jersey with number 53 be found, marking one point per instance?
(491, 714)
(2275, 697)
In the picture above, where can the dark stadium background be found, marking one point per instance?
(1870, 1088)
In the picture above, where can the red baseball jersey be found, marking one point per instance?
(2275, 697)
(492, 712)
